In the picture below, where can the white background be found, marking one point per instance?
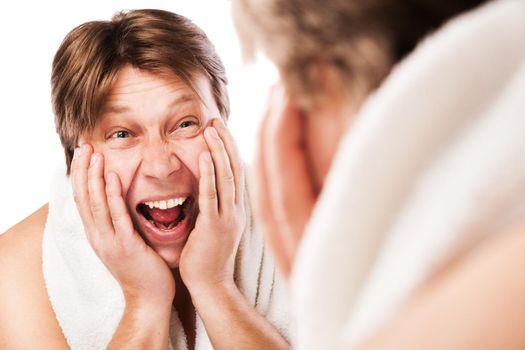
(30, 33)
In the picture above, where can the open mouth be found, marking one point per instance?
(166, 215)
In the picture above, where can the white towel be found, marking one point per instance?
(434, 163)
(88, 302)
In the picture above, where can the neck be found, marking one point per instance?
(182, 299)
(185, 309)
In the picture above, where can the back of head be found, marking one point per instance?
(362, 40)
(88, 60)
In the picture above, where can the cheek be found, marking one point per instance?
(188, 152)
(123, 163)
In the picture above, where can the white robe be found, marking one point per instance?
(434, 163)
(88, 302)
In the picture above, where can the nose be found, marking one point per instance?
(159, 160)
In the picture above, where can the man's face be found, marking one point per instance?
(150, 134)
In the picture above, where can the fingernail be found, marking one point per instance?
(94, 159)
(110, 179)
(206, 156)
(212, 132)
(76, 153)
(219, 122)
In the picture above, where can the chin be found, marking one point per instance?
(169, 249)
(171, 255)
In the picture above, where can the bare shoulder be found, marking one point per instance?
(24, 306)
(26, 234)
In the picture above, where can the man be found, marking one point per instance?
(158, 190)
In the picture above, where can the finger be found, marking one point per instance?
(208, 201)
(98, 200)
(264, 206)
(118, 211)
(263, 211)
(235, 159)
(79, 180)
(274, 169)
(224, 180)
(288, 168)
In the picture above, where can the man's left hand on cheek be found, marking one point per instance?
(208, 259)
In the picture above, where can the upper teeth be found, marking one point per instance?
(170, 203)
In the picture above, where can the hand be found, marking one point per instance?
(208, 257)
(284, 192)
(144, 277)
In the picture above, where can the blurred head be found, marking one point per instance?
(140, 89)
(332, 54)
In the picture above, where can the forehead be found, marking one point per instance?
(135, 88)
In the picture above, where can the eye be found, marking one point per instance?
(187, 124)
(121, 134)
(185, 127)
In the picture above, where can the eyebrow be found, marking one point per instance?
(115, 108)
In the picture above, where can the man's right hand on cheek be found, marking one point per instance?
(146, 280)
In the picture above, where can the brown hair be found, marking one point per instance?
(89, 58)
(361, 39)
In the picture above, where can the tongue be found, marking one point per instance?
(165, 216)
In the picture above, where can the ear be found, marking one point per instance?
(331, 81)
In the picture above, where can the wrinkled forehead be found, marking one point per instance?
(134, 81)
(156, 90)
